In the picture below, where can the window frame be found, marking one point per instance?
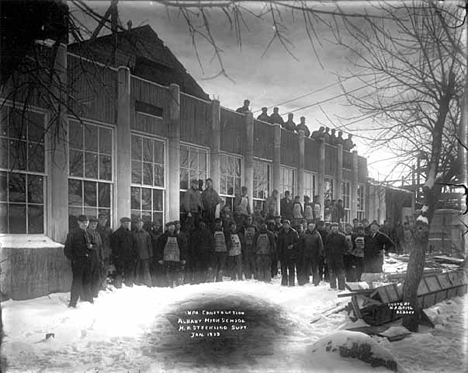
(346, 186)
(8, 106)
(361, 202)
(314, 178)
(134, 185)
(292, 190)
(332, 182)
(256, 201)
(198, 148)
(227, 198)
(95, 180)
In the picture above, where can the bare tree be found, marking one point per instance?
(412, 66)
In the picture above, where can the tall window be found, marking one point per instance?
(148, 178)
(360, 202)
(310, 184)
(287, 181)
(90, 178)
(328, 188)
(346, 190)
(193, 165)
(22, 171)
(261, 183)
(231, 173)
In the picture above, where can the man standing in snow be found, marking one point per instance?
(97, 257)
(248, 260)
(77, 249)
(220, 250)
(323, 268)
(335, 248)
(264, 246)
(105, 232)
(172, 254)
(287, 253)
(145, 253)
(310, 248)
(124, 254)
(235, 249)
(376, 244)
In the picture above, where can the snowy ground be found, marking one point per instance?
(137, 330)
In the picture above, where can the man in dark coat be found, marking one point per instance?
(264, 115)
(210, 200)
(376, 243)
(303, 127)
(156, 269)
(145, 253)
(78, 249)
(264, 246)
(172, 254)
(124, 254)
(193, 203)
(275, 228)
(245, 108)
(286, 206)
(97, 257)
(335, 248)
(323, 267)
(310, 248)
(275, 118)
(287, 253)
(105, 232)
(202, 249)
(248, 256)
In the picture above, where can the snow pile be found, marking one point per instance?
(350, 352)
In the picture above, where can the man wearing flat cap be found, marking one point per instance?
(124, 253)
(105, 232)
(78, 249)
(287, 253)
(335, 247)
(97, 258)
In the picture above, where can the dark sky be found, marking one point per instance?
(266, 77)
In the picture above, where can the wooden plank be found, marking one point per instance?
(444, 280)
(432, 283)
(384, 295)
(455, 278)
(399, 289)
(429, 300)
(392, 293)
(452, 292)
(441, 295)
(422, 289)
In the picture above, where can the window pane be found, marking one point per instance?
(184, 156)
(146, 199)
(91, 165)
(76, 163)
(35, 219)
(146, 216)
(105, 167)
(17, 188)
(104, 195)
(75, 136)
(237, 186)
(4, 122)
(136, 198)
(3, 218)
(91, 138)
(35, 189)
(36, 127)
(158, 175)
(90, 193)
(223, 165)
(193, 175)
(202, 161)
(183, 178)
(17, 219)
(223, 187)
(36, 158)
(105, 140)
(159, 152)
(18, 155)
(157, 216)
(193, 159)
(238, 167)
(75, 192)
(136, 147)
(3, 186)
(17, 124)
(147, 173)
(3, 152)
(147, 150)
(91, 212)
(136, 172)
(158, 200)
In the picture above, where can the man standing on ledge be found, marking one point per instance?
(78, 250)
(244, 109)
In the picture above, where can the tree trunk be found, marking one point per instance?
(414, 274)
